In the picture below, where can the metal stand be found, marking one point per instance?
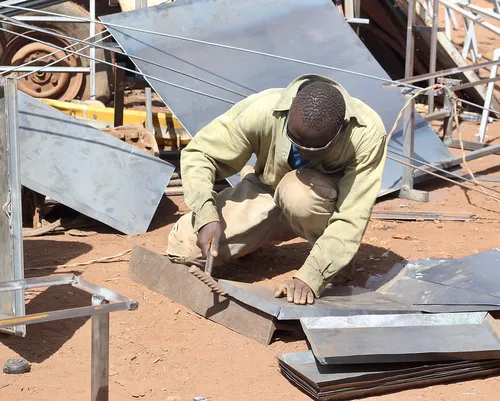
(104, 301)
(100, 353)
(407, 191)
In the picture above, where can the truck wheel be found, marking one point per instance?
(65, 86)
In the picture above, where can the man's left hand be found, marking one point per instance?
(296, 291)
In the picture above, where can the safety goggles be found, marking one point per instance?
(308, 149)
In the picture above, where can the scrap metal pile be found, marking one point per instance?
(424, 322)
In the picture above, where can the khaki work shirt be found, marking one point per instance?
(256, 125)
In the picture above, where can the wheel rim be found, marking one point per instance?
(52, 85)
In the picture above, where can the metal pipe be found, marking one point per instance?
(149, 110)
(432, 61)
(92, 28)
(100, 353)
(123, 68)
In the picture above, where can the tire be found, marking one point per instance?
(60, 86)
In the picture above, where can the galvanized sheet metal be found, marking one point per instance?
(401, 283)
(333, 382)
(336, 301)
(479, 272)
(310, 30)
(89, 170)
(402, 338)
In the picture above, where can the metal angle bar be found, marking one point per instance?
(484, 11)
(92, 29)
(114, 65)
(35, 18)
(456, 88)
(65, 314)
(433, 51)
(62, 279)
(489, 97)
(100, 353)
(6, 6)
(437, 74)
(418, 215)
(4, 69)
(109, 295)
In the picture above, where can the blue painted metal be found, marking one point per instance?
(311, 30)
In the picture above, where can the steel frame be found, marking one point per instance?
(104, 301)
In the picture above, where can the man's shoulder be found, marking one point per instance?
(266, 99)
(373, 128)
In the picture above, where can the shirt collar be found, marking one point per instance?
(286, 99)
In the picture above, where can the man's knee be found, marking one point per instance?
(304, 192)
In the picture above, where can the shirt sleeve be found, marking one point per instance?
(357, 193)
(218, 151)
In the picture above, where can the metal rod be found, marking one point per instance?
(123, 68)
(15, 68)
(16, 225)
(432, 61)
(4, 69)
(149, 110)
(442, 177)
(92, 29)
(100, 353)
(441, 170)
(119, 97)
(49, 66)
(39, 18)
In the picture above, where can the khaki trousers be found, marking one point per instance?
(252, 215)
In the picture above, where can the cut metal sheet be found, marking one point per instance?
(303, 30)
(363, 339)
(400, 283)
(479, 273)
(11, 234)
(333, 382)
(88, 170)
(336, 301)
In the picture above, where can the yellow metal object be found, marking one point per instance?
(168, 130)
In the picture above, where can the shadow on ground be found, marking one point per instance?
(274, 260)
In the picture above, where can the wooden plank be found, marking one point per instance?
(173, 280)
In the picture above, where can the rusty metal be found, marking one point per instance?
(63, 86)
(207, 280)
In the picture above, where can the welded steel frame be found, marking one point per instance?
(104, 301)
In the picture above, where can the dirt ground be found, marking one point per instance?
(164, 350)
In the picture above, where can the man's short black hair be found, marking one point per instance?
(321, 107)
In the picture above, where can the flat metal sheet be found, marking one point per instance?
(401, 283)
(11, 234)
(479, 273)
(303, 30)
(413, 338)
(88, 170)
(336, 301)
(344, 382)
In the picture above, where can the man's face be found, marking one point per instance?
(310, 144)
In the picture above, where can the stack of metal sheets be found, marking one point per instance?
(361, 355)
(333, 382)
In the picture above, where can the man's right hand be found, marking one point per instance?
(211, 232)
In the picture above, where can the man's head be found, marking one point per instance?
(316, 116)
